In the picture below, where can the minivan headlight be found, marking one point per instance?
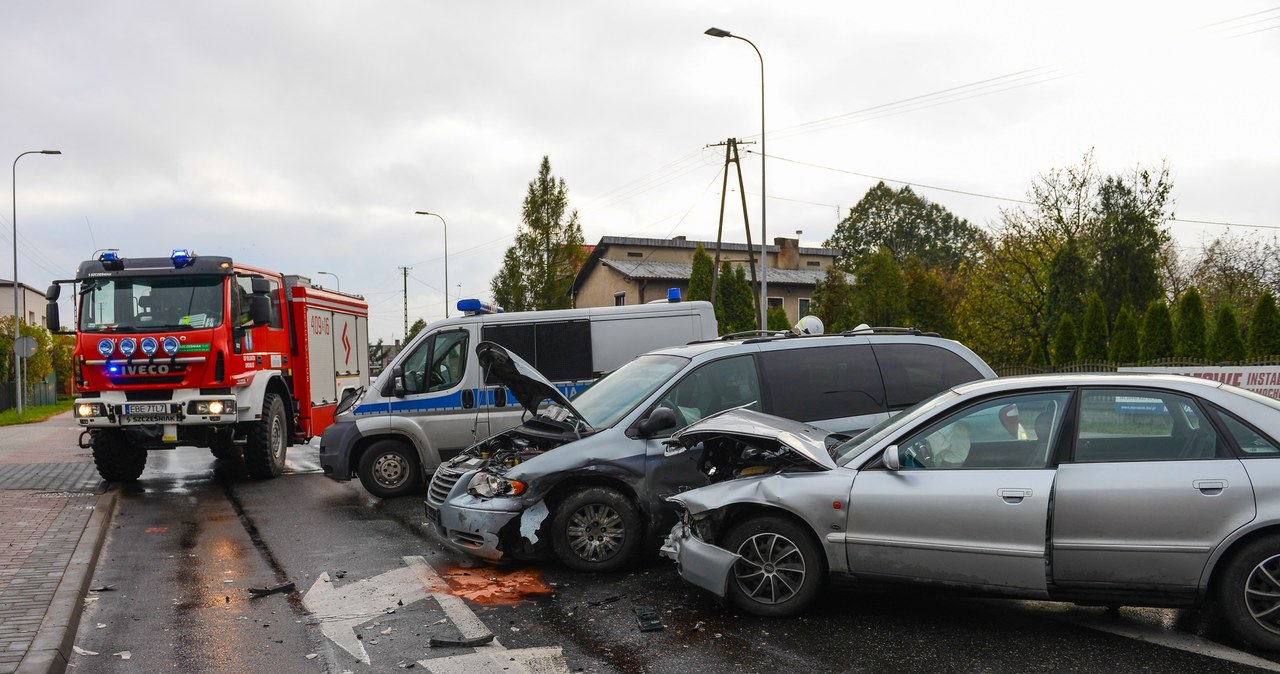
(486, 485)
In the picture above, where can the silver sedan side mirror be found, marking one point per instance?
(891, 458)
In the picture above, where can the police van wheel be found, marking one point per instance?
(264, 455)
(116, 460)
(389, 469)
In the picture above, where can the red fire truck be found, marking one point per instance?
(204, 351)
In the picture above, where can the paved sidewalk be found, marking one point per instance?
(53, 519)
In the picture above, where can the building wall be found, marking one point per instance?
(31, 301)
(603, 284)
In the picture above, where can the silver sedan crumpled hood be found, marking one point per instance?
(749, 430)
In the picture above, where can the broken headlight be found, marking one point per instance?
(486, 485)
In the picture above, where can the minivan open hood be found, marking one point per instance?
(527, 384)
(740, 437)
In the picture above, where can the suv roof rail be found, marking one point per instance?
(748, 334)
(888, 330)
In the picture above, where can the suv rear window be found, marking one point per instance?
(823, 383)
(914, 372)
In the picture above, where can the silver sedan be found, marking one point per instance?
(1099, 489)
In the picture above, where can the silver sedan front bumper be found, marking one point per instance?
(705, 565)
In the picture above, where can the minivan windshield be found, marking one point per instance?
(860, 443)
(612, 397)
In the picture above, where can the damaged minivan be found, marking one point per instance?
(1100, 489)
(587, 480)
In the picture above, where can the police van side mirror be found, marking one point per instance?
(397, 381)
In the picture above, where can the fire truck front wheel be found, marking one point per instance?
(116, 460)
(389, 468)
(268, 441)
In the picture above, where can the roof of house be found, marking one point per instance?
(675, 271)
(668, 271)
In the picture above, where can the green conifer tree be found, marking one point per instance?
(1124, 339)
(1156, 339)
(1093, 332)
(1064, 341)
(1264, 330)
(1226, 344)
(700, 276)
(1189, 328)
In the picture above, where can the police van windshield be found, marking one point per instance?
(611, 398)
(145, 304)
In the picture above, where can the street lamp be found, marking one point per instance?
(17, 362)
(337, 283)
(764, 241)
(446, 257)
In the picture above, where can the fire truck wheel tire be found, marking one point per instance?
(389, 469)
(225, 453)
(116, 460)
(268, 441)
(225, 450)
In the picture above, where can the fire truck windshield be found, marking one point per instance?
(145, 304)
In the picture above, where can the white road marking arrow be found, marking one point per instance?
(340, 610)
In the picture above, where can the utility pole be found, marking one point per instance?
(405, 274)
(731, 156)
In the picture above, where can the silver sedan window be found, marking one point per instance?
(1006, 432)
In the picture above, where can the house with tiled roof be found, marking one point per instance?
(626, 270)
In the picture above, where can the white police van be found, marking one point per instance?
(433, 400)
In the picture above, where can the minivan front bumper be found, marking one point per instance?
(475, 531)
(475, 526)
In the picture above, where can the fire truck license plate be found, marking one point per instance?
(147, 408)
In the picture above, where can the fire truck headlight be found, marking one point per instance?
(86, 410)
(213, 407)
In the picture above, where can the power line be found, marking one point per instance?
(980, 195)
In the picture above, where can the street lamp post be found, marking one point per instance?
(446, 257)
(17, 362)
(764, 241)
(336, 282)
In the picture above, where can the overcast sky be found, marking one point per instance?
(302, 136)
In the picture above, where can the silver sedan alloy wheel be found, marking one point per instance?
(1262, 594)
(771, 570)
(595, 532)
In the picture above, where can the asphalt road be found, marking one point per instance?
(372, 588)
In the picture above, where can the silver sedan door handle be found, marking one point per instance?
(1013, 495)
(1210, 487)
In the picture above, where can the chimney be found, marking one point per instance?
(788, 253)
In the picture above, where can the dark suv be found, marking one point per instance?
(588, 480)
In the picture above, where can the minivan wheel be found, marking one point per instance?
(596, 529)
(389, 469)
(781, 569)
(1250, 593)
